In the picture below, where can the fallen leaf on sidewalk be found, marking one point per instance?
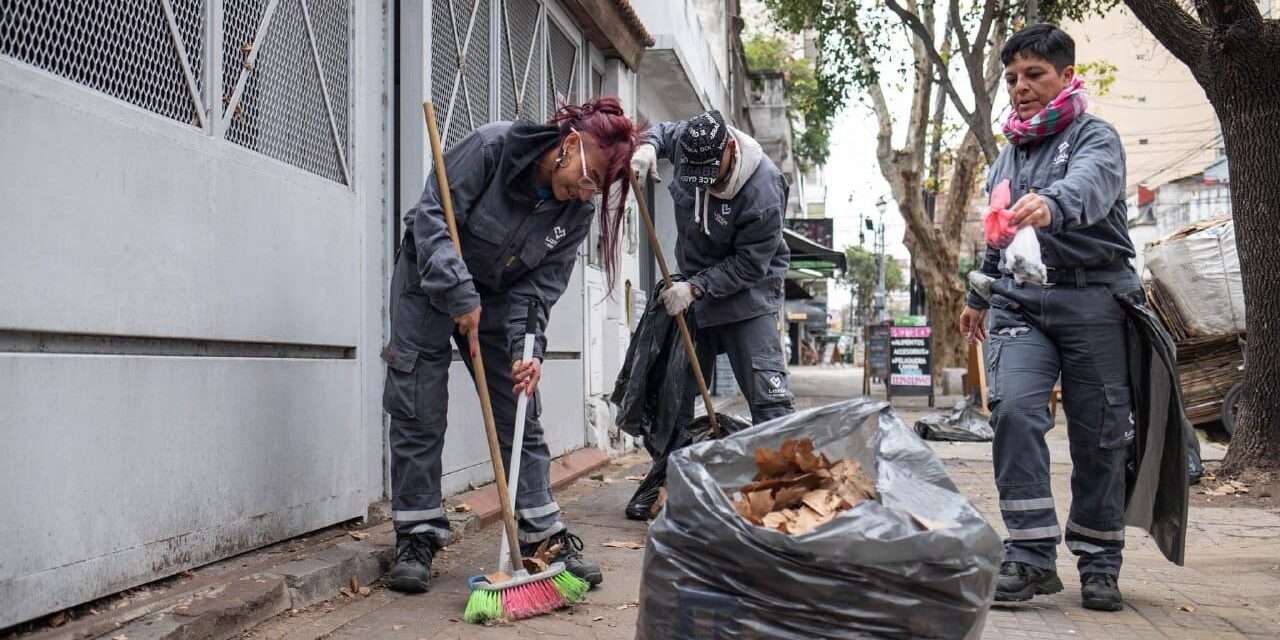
(345, 591)
(623, 544)
(397, 627)
(495, 578)
(365, 591)
(58, 619)
(1188, 608)
(597, 619)
(120, 637)
(355, 584)
(358, 535)
(629, 605)
(636, 478)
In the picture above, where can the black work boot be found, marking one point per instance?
(412, 570)
(570, 554)
(1100, 592)
(1019, 582)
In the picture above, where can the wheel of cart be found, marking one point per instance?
(1234, 399)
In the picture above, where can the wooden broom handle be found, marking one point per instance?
(482, 384)
(684, 328)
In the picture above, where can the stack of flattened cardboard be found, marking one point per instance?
(796, 490)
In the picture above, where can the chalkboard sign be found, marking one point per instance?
(911, 362)
(878, 351)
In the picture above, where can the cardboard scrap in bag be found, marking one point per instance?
(796, 490)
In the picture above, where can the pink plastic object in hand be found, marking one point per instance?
(999, 231)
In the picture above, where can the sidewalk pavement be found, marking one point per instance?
(1229, 589)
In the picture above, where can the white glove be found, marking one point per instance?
(677, 298)
(644, 163)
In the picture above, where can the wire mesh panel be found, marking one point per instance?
(460, 66)
(521, 85)
(562, 66)
(281, 111)
(331, 20)
(123, 49)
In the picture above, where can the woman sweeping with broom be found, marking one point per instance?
(521, 196)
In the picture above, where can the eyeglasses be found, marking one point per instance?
(585, 183)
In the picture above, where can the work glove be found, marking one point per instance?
(677, 298)
(644, 163)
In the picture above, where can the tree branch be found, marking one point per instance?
(1177, 31)
(884, 118)
(963, 176)
(953, 16)
(984, 28)
(913, 22)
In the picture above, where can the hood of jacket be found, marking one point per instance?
(746, 159)
(526, 143)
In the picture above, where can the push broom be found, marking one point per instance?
(522, 595)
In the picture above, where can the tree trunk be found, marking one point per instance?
(1246, 95)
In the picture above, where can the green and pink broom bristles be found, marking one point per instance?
(525, 595)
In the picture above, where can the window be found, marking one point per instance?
(284, 86)
(126, 50)
(286, 94)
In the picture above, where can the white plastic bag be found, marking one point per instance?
(1022, 258)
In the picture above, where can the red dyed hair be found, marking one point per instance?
(616, 136)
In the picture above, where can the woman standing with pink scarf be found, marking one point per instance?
(1066, 170)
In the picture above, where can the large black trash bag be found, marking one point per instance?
(641, 504)
(653, 388)
(919, 563)
(965, 424)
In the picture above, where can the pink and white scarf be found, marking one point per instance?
(1052, 119)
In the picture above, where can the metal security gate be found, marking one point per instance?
(501, 60)
(191, 259)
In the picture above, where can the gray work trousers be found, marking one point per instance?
(754, 347)
(1036, 334)
(416, 395)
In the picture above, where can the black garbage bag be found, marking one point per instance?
(653, 388)
(965, 424)
(920, 562)
(640, 507)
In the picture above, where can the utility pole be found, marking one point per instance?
(879, 302)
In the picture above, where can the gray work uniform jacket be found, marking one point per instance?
(1080, 173)
(515, 244)
(740, 262)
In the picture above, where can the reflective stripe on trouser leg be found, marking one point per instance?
(1023, 369)
(537, 514)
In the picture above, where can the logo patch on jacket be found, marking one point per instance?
(722, 216)
(557, 234)
(1062, 154)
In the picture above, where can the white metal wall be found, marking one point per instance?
(480, 61)
(192, 259)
